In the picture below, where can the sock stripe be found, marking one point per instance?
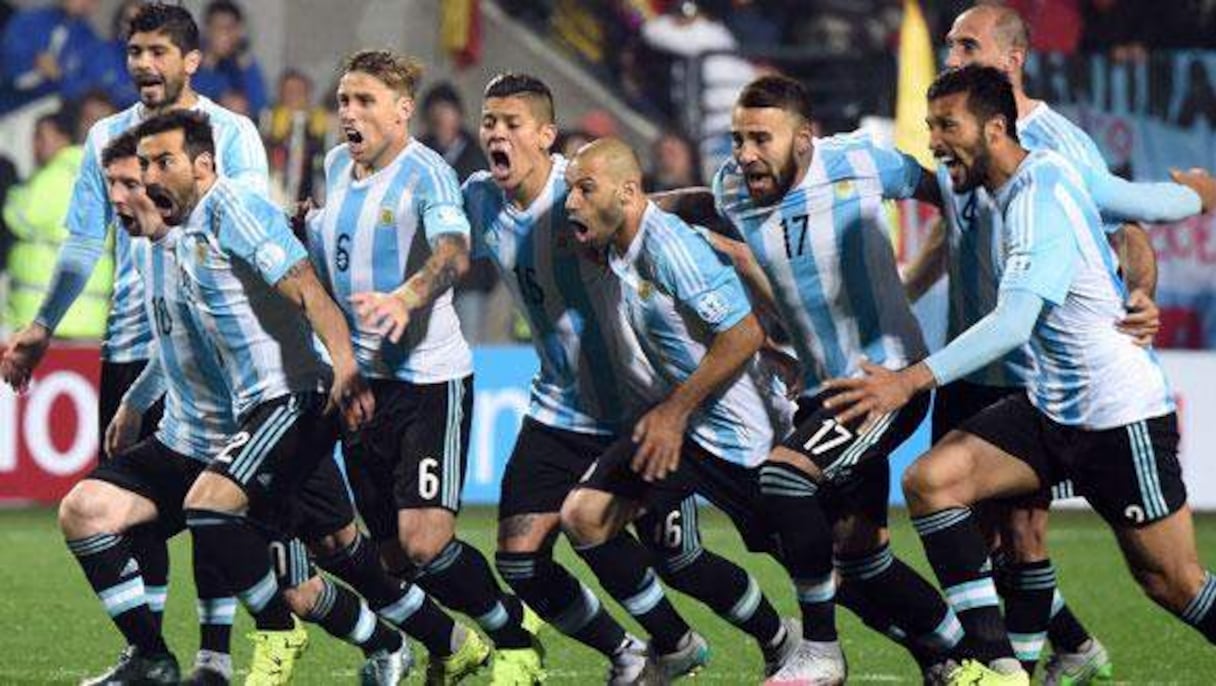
(494, 619)
(972, 594)
(819, 590)
(648, 596)
(946, 634)
(325, 601)
(156, 595)
(256, 596)
(446, 558)
(940, 521)
(1027, 647)
(1201, 604)
(867, 566)
(124, 596)
(405, 606)
(91, 545)
(572, 619)
(364, 626)
(515, 569)
(745, 607)
(216, 610)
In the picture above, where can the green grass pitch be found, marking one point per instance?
(53, 630)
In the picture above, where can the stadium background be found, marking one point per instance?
(1148, 112)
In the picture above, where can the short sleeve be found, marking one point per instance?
(255, 231)
(90, 213)
(441, 204)
(899, 173)
(244, 157)
(699, 279)
(1040, 246)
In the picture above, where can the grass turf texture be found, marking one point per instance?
(54, 630)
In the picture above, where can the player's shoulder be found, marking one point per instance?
(421, 155)
(849, 155)
(337, 160)
(480, 192)
(669, 239)
(111, 126)
(222, 117)
(234, 201)
(1046, 128)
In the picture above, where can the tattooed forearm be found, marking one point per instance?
(440, 272)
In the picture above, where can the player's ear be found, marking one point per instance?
(995, 129)
(405, 107)
(204, 164)
(191, 61)
(548, 135)
(803, 137)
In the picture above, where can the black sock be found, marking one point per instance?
(905, 599)
(460, 578)
(727, 589)
(623, 568)
(401, 603)
(115, 577)
(149, 547)
(1200, 613)
(805, 538)
(560, 599)
(346, 617)
(236, 554)
(956, 550)
(1065, 631)
(1028, 596)
(215, 616)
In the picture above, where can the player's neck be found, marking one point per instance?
(532, 185)
(624, 236)
(385, 158)
(185, 100)
(1026, 104)
(1005, 163)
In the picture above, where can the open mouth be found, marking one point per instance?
(352, 136)
(162, 200)
(580, 229)
(500, 163)
(149, 81)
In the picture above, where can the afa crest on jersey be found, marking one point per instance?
(645, 289)
(386, 216)
(844, 189)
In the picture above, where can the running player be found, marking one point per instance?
(1097, 409)
(394, 222)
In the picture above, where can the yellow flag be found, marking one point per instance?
(916, 73)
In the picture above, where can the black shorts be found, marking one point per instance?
(545, 465)
(277, 449)
(152, 470)
(116, 378)
(414, 452)
(323, 504)
(1129, 474)
(959, 401)
(838, 450)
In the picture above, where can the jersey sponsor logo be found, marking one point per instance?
(270, 256)
(712, 308)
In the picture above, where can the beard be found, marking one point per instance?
(780, 181)
(976, 172)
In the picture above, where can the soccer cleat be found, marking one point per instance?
(384, 668)
(471, 656)
(1088, 665)
(632, 665)
(133, 668)
(275, 654)
(938, 673)
(532, 622)
(976, 673)
(689, 658)
(813, 663)
(777, 656)
(517, 667)
(210, 669)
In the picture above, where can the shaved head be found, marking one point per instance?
(612, 157)
(1008, 27)
(990, 34)
(605, 196)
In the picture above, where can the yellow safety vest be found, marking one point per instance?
(36, 213)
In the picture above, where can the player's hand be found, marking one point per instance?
(22, 355)
(1200, 181)
(351, 394)
(297, 216)
(123, 431)
(879, 392)
(660, 436)
(385, 313)
(1143, 319)
(785, 366)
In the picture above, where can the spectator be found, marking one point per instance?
(443, 116)
(8, 179)
(752, 23)
(673, 164)
(228, 64)
(1055, 25)
(108, 67)
(46, 51)
(236, 101)
(92, 108)
(296, 133)
(1116, 27)
(568, 142)
(35, 212)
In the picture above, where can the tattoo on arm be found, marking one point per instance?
(441, 271)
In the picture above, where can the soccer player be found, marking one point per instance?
(996, 36)
(1097, 409)
(720, 412)
(591, 379)
(162, 53)
(393, 237)
(818, 255)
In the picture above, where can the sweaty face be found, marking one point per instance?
(763, 145)
(972, 40)
(373, 117)
(957, 141)
(158, 68)
(514, 140)
(168, 176)
(125, 186)
(593, 204)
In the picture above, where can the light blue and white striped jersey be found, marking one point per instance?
(826, 249)
(234, 247)
(592, 376)
(973, 238)
(1086, 372)
(679, 294)
(239, 155)
(375, 232)
(198, 419)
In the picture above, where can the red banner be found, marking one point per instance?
(48, 434)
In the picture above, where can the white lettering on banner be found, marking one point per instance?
(8, 429)
(486, 408)
(37, 423)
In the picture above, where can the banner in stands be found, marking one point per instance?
(48, 436)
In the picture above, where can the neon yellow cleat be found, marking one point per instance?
(532, 622)
(275, 654)
(471, 656)
(517, 667)
(1088, 665)
(976, 673)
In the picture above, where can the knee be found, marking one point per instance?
(423, 540)
(929, 483)
(303, 598)
(81, 513)
(1172, 589)
(527, 533)
(335, 542)
(856, 536)
(584, 523)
